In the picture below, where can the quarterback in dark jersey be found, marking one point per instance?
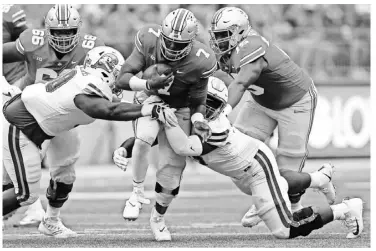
(172, 43)
(281, 92)
(48, 52)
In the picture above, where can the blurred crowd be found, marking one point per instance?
(329, 41)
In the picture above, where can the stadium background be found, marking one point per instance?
(331, 42)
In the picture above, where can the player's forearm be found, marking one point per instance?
(181, 143)
(125, 112)
(10, 53)
(235, 93)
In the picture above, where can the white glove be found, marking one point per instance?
(119, 158)
(9, 90)
(162, 113)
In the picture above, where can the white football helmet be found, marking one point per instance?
(216, 98)
(63, 23)
(229, 26)
(179, 29)
(104, 62)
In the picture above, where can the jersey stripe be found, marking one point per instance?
(210, 72)
(95, 90)
(19, 47)
(256, 56)
(137, 42)
(280, 204)
(18, 13)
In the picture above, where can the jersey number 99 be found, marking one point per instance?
(38, 37)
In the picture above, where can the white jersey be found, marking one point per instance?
(235, 152)
(52, 104)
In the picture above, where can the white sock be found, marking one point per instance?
(318, 179)
(339, 211)
(156, 214)
(296, 206)
(52, 211)
(138, 187)
(37, 205)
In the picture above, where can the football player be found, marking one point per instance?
(253, 168)
(43, 111)
(48, 53)
(282, 93)
(172, 43)
(14, 23)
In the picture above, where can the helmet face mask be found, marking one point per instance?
(104, 62)
(63, 24)
(229, 26)
(179, 29)
(216, 98)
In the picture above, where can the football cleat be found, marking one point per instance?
(251, 218)
(133, 206)
(53, 226)
(354, 217)
(328, 189)
(158, 227)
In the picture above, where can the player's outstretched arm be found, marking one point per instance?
(197, 100)
(100, 108)
(182, 144)
(247, 75)
(11, 54)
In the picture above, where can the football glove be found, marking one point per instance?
(165, 115)
(202, 129)
(119, 158)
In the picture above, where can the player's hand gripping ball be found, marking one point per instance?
(158, 76)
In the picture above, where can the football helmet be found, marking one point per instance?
(229, 26)
(63, 23)
(104, 62)
(179, 29)
(216, 98)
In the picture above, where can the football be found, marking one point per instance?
(156, 69)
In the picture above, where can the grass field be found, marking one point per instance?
(207, 212)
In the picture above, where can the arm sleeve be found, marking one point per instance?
(182, 144)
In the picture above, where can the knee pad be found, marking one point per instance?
(305, 221)
(57, 193)
(165, 196)
(63, 174)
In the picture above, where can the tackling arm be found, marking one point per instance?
(182, 144)
(11, 54)
(100, 108)
(247, 75)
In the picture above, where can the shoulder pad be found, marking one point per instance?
(14, 14)
(93, 85)
(204, 58)
(251, 48)
(88, 42)
(31, 39)
(147, 36)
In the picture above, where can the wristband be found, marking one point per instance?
(197, 117)
(146, 110)
(138, 84)
(227, 110)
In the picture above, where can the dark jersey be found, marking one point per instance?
(282, 83)
(198, 64)
(42, 62)
(14, 22)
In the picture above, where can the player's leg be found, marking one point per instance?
(146, 131)
(294, 127)
(63, 152)
(22, 160)
(171, 167)
(253, 121)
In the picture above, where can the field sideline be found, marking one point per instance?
(206, 213)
